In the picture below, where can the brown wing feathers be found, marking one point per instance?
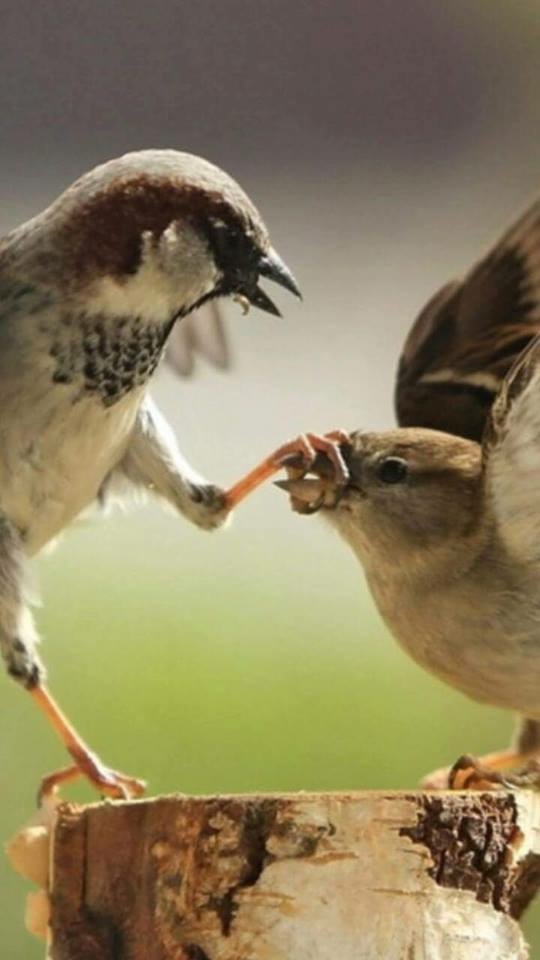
(467, 337)
(202, 333)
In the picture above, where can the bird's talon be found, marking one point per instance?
(330, 444)
(108, 783)
(468, 774)
(301, 454)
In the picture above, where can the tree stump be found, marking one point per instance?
(347, 876)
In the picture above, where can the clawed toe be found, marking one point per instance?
(468, 774)
(108, 783)
(298, 457)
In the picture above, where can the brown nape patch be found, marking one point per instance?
(469, 848)
(102, 236)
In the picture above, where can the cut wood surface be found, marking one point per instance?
(360, 876)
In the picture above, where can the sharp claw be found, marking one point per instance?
(468, 774)
(108, 783)
(296, 461)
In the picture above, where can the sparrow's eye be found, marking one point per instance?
(223, 240)
(233, 251)
(392, 470)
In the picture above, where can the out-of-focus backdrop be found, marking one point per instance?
(386, 144)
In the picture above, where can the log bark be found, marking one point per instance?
(366, 876)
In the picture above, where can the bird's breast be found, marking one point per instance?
(480, 636)
(106, 357)
(57, 446)
(71, 382)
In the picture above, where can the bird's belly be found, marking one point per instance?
(485, 656)
(55, 453)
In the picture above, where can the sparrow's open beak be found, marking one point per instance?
(271, 266)
(309, 494)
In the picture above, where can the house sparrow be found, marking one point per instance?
(444, 512)
(90, 292)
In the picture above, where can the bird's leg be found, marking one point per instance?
(18, 639)
(299, 453)
(153, 463)
(488, 772)
(108, 782)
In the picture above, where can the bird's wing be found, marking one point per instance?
(201, 333)
(466, 338)
(511, 453)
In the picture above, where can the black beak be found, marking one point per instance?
(272, 267)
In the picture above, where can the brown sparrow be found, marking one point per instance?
(444, 512)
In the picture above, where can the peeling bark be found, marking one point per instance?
(470, 845)
(295, 877)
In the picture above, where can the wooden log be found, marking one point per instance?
(360, 876)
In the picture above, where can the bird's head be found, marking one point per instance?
(410, 492)
(159, 230)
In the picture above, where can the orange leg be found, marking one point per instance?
(108, 782)
(304, 448)
(484, 773)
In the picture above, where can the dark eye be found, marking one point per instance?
(392, 470)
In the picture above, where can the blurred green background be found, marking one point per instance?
(386, 144)
(209, 680)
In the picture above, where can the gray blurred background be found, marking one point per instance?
(386, 144)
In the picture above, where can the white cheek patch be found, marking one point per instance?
(174, 273)
(146, 294)
(184, 257)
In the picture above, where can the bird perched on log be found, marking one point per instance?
(444, 512)
(90, 292)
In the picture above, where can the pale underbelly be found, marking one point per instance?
(53, 464)
(507, 679)
(484, 657)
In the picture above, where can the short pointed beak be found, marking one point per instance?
(258, 298)
(309, 494)
(272, 266)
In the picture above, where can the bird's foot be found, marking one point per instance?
(468, 773)
(492, 772)
(109, 783)
(298, 457)
(206, 506)
(329, 474)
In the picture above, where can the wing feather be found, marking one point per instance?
(465, 340)
(511, 452)
(202, 333)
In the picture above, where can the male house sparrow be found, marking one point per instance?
(90, 291)
(444, 512)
